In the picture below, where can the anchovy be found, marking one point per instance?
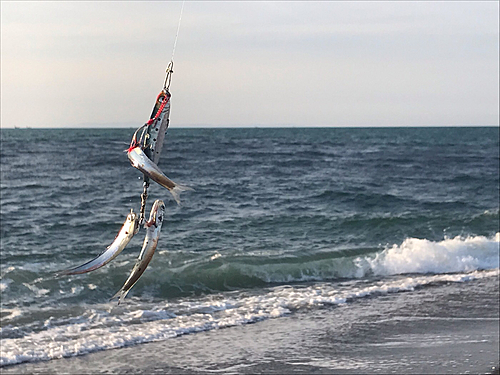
(153, 227)
(139, 160)
(128, 230)
(142, 162)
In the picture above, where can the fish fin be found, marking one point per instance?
(177, 190)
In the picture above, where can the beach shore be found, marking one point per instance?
(403, 333)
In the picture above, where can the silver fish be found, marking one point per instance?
(139, 160)
(128, 230)
(153, 227)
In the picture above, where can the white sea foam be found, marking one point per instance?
(412, 256)
(9, 314)
(423, 256)
(76, 289)
(4, 284)
(5, 271)
(37, 291)
(107, 326)
(215, 256)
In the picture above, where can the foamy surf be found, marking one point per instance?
(451, 255)
(423, 256)
(105, 326)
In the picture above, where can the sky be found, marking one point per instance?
(328, 63)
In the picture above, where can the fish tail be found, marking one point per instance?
(177, 190)
(71, 271)
(67, 272)
(116, 295)
(91, 265)
(59, 274)
(122, 293)
(122, 296)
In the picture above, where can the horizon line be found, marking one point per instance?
(253, 126)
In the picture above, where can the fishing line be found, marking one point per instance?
(177, 33)
(170, 67)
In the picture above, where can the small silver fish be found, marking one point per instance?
(153, 227)
(139, 160)
(128, 230)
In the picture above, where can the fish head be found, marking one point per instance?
(136, 143)
(157, 213)
(132, 222)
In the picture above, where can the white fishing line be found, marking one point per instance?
(177, 33)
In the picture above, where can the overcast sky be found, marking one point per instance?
(83, 63)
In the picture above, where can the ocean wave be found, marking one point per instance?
(179, 273)
(415, 256)
(423, 256)
(107, 326)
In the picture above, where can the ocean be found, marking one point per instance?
(291, 235)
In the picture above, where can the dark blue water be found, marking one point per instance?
(272, 209)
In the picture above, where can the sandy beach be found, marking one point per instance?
(427, 336)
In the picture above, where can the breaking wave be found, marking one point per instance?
(423, 256)
(219, 273)
(416, 263)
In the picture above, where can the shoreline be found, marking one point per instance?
(411, 333)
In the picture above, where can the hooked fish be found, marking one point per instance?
(153, 227)
(128, 230)
(140, 160)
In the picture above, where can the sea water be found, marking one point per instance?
(281, 222)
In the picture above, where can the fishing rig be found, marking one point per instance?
(157, 125)
(145, 156)
(154, 132)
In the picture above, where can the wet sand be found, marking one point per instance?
(444, 329)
